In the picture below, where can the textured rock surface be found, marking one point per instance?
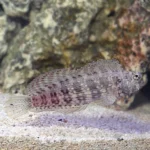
(145, 4)
(55, 34)
(3, 45)
(132, 40)
(15, 7)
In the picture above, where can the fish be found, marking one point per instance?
(104, 82)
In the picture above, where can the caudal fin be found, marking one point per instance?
(15, 105)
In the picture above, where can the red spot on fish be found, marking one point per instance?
(36, 102)
(54, 98)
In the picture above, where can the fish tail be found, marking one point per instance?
(15, 105)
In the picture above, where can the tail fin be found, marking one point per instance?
(15, 105)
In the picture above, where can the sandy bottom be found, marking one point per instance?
(92, 128)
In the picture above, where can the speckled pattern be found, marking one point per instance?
(17, 7)
(25, 144)
(93, 127)
(103, 80)
(85, 29)
(145, 4)
(58, 34)
(114, 123)
(3, 28)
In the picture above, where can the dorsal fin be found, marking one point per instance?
(110, 64)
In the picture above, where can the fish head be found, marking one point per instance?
(132, 82)
(129, 84)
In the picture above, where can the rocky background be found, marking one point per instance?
(40, 35)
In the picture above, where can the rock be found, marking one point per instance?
(41, 35)
(129, 44)
(3, 44)
(15, 8)
(46, 39)
(145, 4)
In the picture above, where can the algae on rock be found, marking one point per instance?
(57, 34)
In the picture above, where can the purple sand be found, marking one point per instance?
(114, 123)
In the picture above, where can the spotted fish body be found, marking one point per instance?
(104, 81)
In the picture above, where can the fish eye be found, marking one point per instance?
(136, 76)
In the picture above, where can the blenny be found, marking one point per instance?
(104, 82)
